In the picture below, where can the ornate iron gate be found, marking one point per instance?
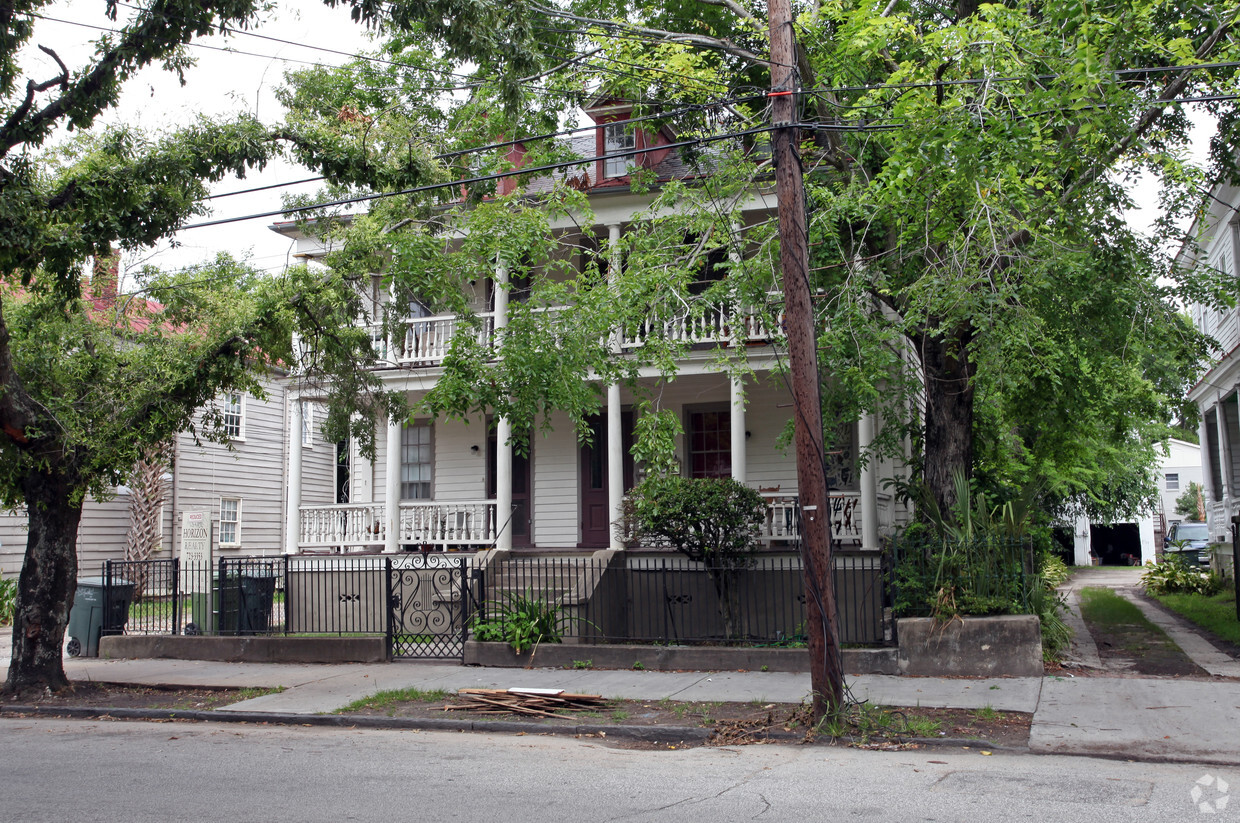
(431, 598)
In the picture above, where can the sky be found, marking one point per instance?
(240, 72)
(222, 82)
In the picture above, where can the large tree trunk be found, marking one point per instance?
(46, 586)
(949, 410)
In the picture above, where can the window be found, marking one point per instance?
(234, 416)
(416, 462)
(1173, 482)
(307, 423)
(710, 444)
(617, 138)
(230, 521)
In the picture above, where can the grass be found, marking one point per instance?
(987, 713)
(253, 692)
(1214, 613)
(385, 699)
(1109, 611)
(864, 722)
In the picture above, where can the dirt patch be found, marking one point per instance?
(757, 722)
(116, 696)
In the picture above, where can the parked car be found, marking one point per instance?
(1189, 540)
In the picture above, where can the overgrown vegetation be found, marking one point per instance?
(8, 600)
(391, 697)
(1173, 574)
(981, 558)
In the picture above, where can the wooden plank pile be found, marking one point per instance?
(529, 702)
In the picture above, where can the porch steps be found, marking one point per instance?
(567, 580)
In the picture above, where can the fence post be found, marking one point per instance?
(288, 601)
(391, 607)
(463, 569)
(219, 607)
(175, 592)
(107, 598)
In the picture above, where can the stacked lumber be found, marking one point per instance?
(530, 702)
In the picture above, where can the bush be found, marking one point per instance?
(1174, 575)
(715, 521)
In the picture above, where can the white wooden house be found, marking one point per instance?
(1217, 393)
(458, 484)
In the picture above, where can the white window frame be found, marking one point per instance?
(226, 410)
(430, 426)
(235, 523)
(618, 137)
(1173, 481)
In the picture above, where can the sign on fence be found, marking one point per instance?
(196, 549)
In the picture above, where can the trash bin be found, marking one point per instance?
(97, 608)
(245, 600)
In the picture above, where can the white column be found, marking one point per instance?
(869, 482)
(292, 526)
(615, 432)
(503, 427)
(1224, 456)
(1207, 474)
(391, 486)
(739, 463)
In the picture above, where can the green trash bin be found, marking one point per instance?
(91, 616)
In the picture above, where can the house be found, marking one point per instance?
(1140, 540)
(240, 484)
(459, 484)
(1216, 393)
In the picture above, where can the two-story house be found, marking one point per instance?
(446, 483)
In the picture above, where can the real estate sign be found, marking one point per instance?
(196, 557)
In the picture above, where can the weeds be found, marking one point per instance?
(386, 699)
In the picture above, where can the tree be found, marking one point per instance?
(965, 175)
(84, 392)
(1191, 503)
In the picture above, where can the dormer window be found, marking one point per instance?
(618, 139)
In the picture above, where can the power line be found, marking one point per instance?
(484, 178)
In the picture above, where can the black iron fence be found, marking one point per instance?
(653, 599)
(426, 604)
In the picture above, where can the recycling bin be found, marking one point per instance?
(97, 608)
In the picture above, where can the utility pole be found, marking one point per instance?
(826, 675)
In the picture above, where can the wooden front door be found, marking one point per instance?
(595, 510)
(522, 521)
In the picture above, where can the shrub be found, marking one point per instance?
(522, 621)
(715, 521)
(1173, 575)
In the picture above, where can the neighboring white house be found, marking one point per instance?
(1216, 393)
(458, 484)
(241, 487)
(1140, 540)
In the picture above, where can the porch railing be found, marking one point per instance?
(363, 525)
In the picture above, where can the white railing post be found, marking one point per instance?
(391, 501)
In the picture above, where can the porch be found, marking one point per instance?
(474, 524)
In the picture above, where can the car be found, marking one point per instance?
(1190, 541)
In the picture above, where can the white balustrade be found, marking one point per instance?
(783, 511)
(469, 522)
(359, 524)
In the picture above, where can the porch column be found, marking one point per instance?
(503, 427)
(1207, 475)
(869, 483)
(615, 433)
(739, 464)
(292, 525)
(391, 486)
(1224, 450)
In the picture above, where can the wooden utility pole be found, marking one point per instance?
(826, 675)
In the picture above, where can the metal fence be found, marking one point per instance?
(426, 604)
(635, 599)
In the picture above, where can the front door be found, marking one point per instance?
(595, 510)
(522, 519)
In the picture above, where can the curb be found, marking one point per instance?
(645, 734)
(649, 734)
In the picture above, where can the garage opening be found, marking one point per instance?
(1117, 545)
